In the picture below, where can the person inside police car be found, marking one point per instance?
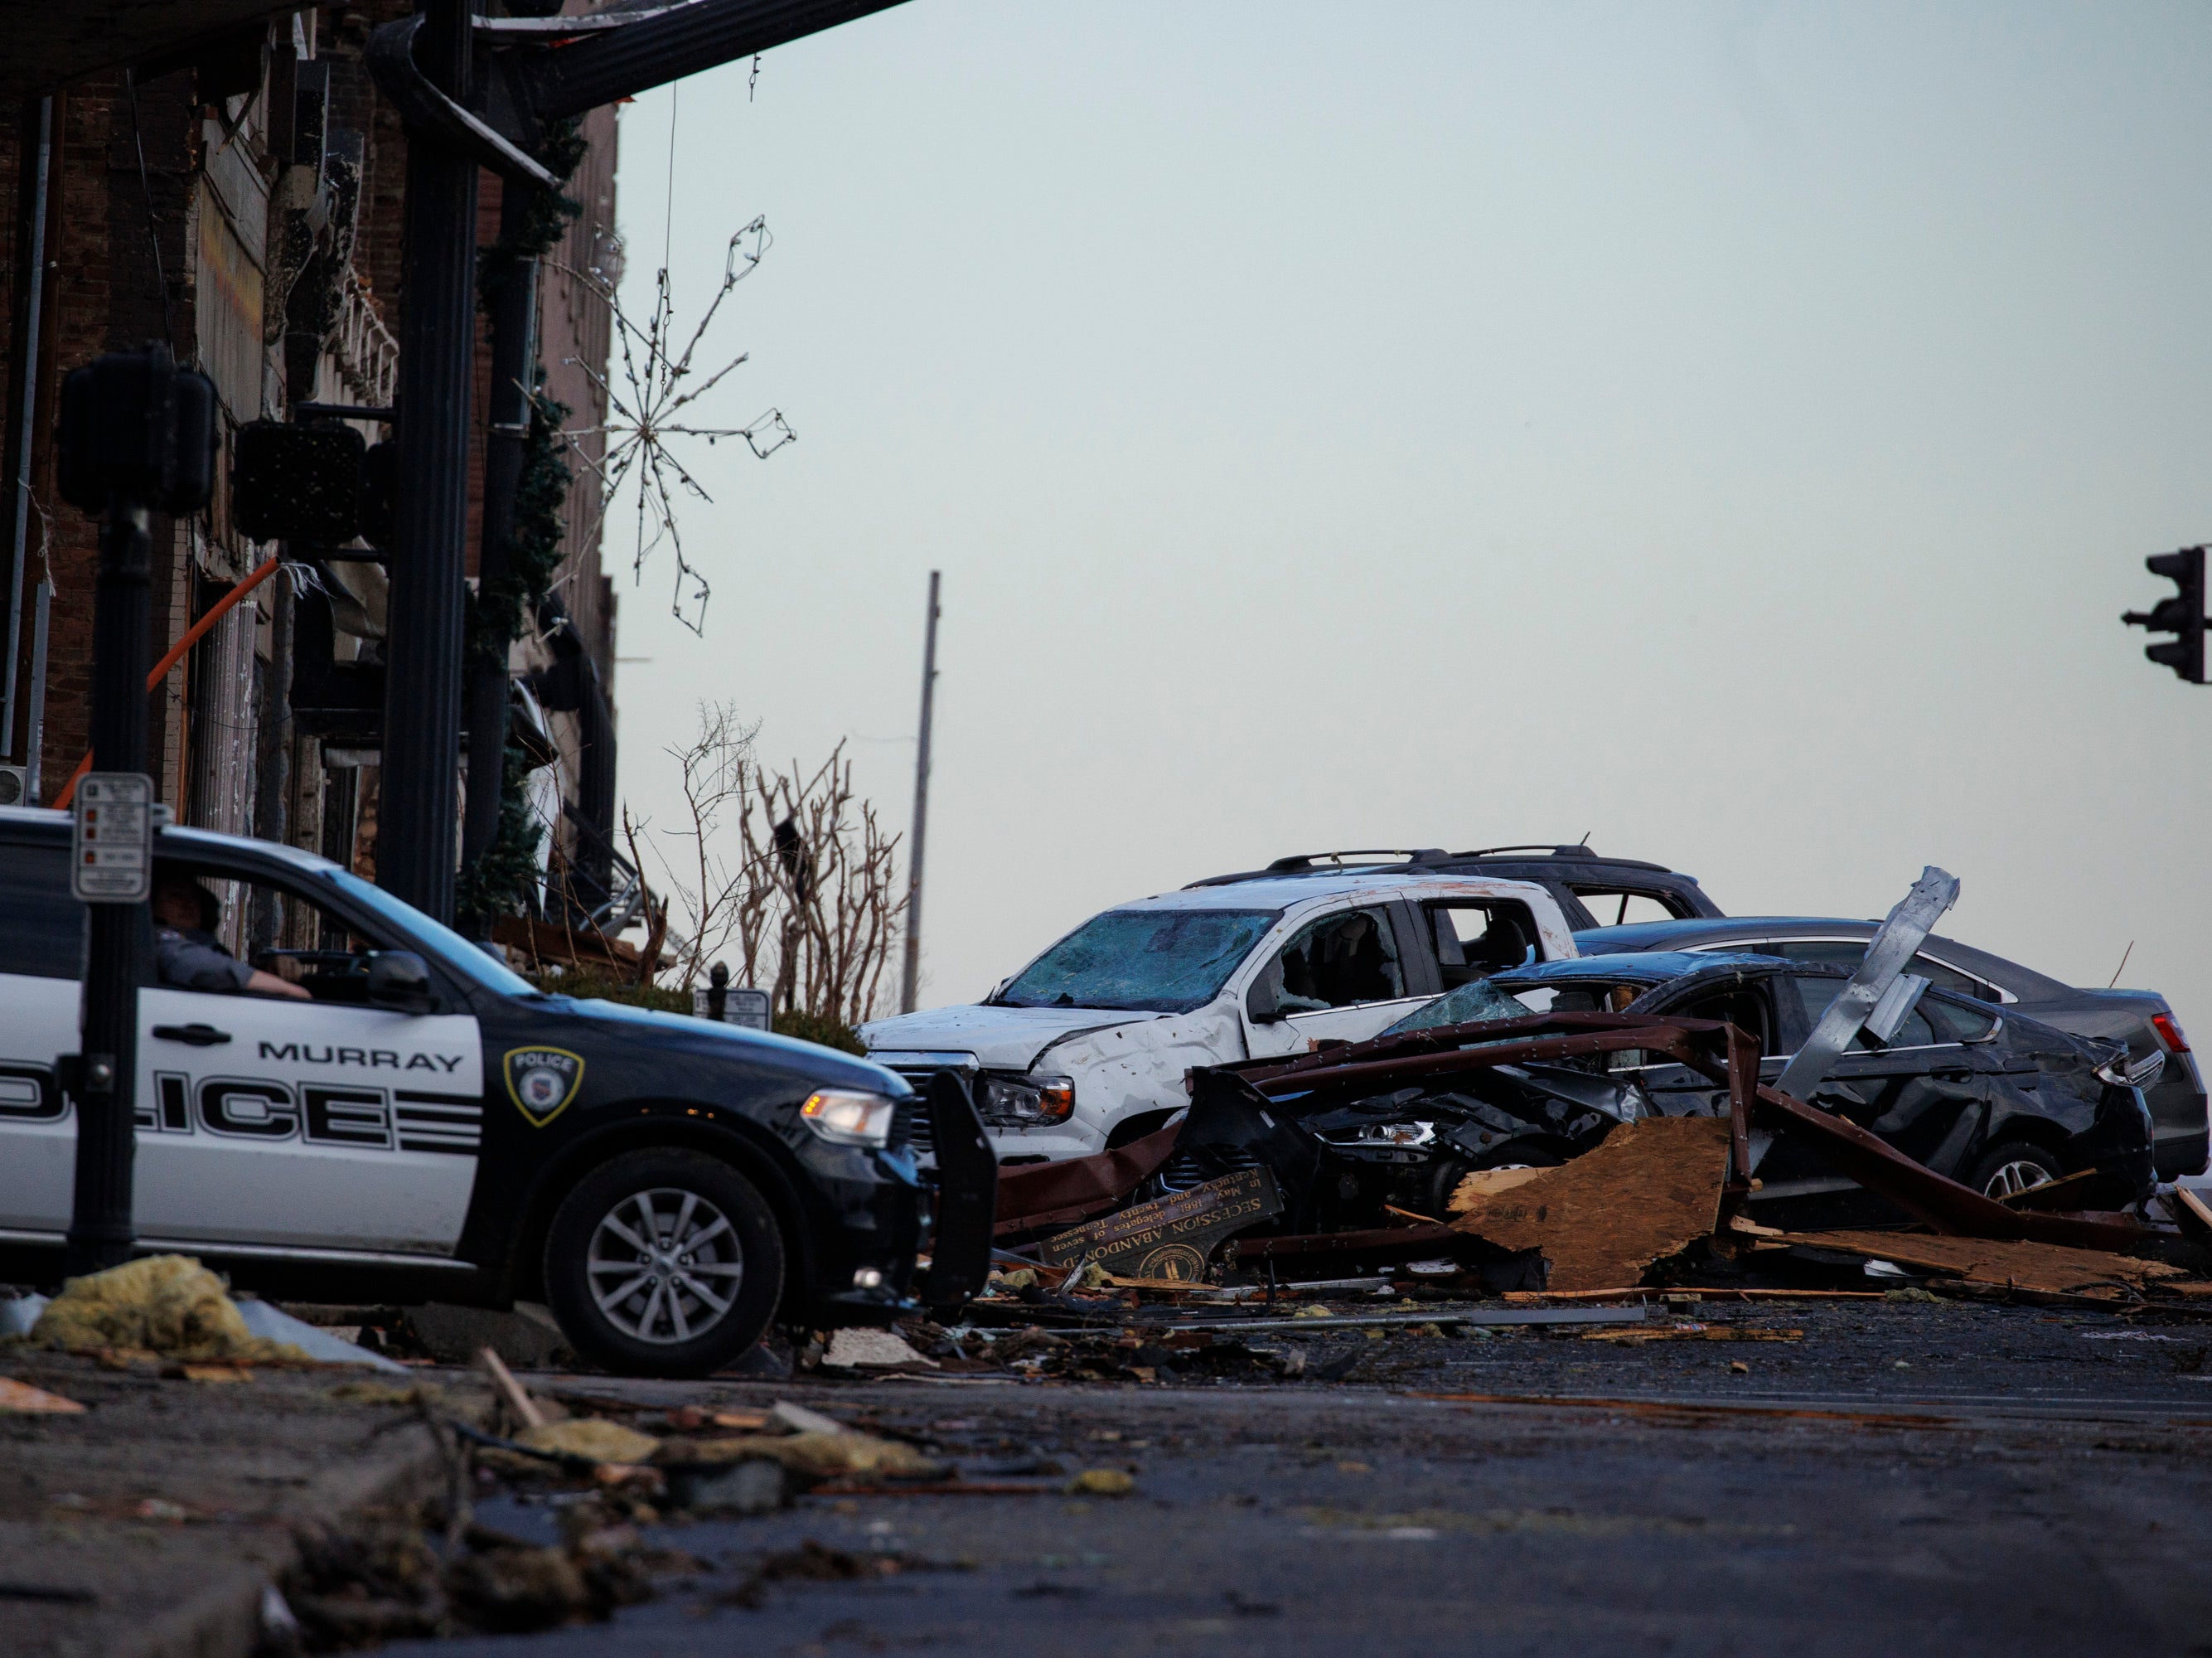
(188, 955)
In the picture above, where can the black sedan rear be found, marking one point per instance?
(1975, 1092)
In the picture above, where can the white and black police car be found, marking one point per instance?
(374, 1109)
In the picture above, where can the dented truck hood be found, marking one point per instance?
(1001, 1038)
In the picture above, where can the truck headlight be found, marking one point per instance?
(1024, 1101)
(849, 1118)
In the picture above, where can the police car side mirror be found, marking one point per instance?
(399, 980)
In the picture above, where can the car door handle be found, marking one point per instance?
(1951, 1073)
(197, 1036)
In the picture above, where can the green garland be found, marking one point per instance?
(546, 213)
(500, 607)
(504, 880)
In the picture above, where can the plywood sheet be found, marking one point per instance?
(1653, 1186)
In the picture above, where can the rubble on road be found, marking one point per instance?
(162, 1306)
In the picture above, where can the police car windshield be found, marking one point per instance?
(452, 950)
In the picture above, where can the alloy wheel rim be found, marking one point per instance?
(2016, 1176)
(665, 1266)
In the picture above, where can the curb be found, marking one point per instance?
(223, 1619)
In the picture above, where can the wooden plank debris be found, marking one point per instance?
(1539, 1297)
(523, 1409)
(1651, 1188)
(2191, 1211)
(21, 1397)
(1694, 1332)
(2052, 1269)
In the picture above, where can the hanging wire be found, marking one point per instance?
(146, 188)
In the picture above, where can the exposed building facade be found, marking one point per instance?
(237, 191)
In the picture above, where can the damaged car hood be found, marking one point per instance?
(1008, 1038)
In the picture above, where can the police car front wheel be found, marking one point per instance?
(663, 1263)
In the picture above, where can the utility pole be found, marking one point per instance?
(137, 437)
(911, 984)
(415, 841)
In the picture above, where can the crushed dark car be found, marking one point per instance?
(1986, 1098)
(2142, 1019)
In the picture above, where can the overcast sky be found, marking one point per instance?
(1730, 431)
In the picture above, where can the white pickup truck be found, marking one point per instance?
(1086, 1047)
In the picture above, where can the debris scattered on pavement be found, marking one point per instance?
(2053, 1269)
(272, 1323)
(591, 1439)
(1101, 1482)
(1171, 1238)
(167, 1305)
(20, 1397)
(1696, 1332)
(866, 1349)
(818, 1563)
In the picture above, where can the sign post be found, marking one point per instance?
(137, 437)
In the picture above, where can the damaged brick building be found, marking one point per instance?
(226, 178)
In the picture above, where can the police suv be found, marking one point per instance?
(373, 1107)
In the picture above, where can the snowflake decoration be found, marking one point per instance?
(650, 407)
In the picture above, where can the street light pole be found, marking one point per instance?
(910, 986)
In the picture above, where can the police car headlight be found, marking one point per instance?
(849, 1118)
(1025, 1102)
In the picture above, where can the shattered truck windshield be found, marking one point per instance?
(1141, 961)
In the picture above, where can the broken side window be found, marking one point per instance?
(1962, 1022)
(1479, 1002)
(1617, 907)
(1848, 953)
(1743, 1006)
(1340, 961)
(1477, 938)
(1815, 994)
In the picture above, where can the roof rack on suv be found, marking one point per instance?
(1542, 848)
(1305, 861)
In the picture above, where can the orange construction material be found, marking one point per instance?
(193, 635)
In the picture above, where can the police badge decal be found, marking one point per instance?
(543, 1080)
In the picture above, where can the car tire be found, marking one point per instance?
(2013, 1166)
(652, 1310)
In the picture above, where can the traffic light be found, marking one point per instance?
(2183, 615)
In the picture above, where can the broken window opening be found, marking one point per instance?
(1475, 939)
(1340, 961)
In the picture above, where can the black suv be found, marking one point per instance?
(1593, 891)
(414, 1121)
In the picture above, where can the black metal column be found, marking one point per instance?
(514, 360)
(418, 812)
(100, 1233)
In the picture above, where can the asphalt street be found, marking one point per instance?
(1898, 1478)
